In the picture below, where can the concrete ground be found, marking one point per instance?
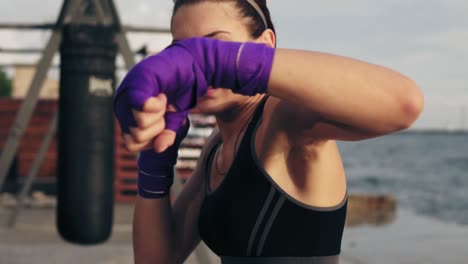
(409, 239)
(34, 239)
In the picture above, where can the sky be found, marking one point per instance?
(426, 40)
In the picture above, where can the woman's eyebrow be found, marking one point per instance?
(207, 35)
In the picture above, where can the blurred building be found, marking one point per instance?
(22, 77)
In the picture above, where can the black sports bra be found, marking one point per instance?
(248, 218)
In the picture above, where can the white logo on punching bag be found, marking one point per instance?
(100, 87)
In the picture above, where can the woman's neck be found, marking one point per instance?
(232, 122)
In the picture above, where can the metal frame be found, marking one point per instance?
(21, 51)
(34, 170)
(70, 10)
(27, 107)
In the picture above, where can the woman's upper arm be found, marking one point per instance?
(360, 95)
(302, 126)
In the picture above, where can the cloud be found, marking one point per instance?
(156, 13)
(331, 8)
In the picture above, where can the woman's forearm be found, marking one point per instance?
(153, 239)
(344, 90)
(165, 232)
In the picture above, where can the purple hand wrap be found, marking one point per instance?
(183, 71)
(156, 170)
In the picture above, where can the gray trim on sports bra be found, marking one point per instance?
(281, 260)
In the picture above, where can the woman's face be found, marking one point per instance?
(220, 20)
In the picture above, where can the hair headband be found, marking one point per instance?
(259, 11)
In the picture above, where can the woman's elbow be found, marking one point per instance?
(411, 105)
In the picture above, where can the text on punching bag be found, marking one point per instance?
(100, 87)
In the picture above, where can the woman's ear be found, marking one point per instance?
(268, 37)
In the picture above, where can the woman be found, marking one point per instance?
(269, 186)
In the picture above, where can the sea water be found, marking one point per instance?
(426, 172)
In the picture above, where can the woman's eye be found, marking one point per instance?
(219, 35)
(222, 37)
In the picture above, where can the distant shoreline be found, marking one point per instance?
(434, 132)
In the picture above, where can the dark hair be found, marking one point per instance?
(256, 25)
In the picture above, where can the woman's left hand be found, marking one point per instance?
(150, 131)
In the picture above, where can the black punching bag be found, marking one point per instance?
(86, 134)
